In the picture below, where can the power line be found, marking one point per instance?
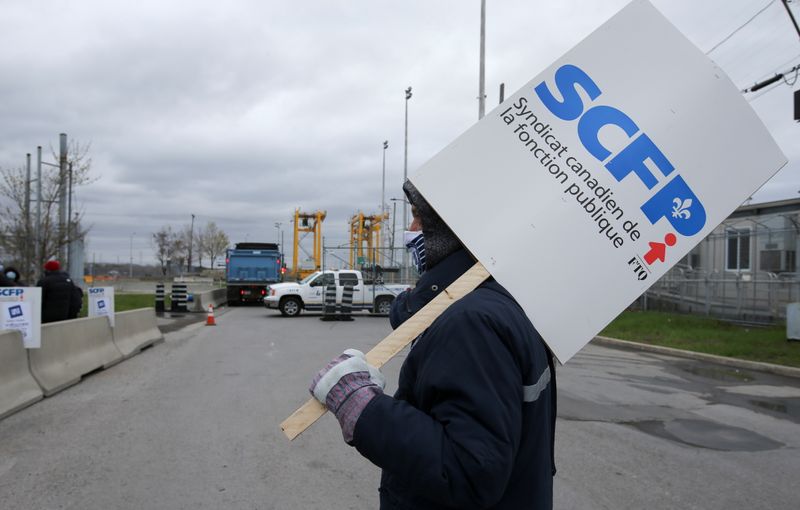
(741, 27)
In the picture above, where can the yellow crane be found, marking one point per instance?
(308, 223)
(365, 239)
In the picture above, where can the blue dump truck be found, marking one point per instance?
(249, 268)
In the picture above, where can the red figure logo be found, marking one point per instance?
(659, 250)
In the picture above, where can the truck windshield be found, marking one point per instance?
(309, 277)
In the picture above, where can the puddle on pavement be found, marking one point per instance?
(720, 374)
(778, 407)
(708, 434)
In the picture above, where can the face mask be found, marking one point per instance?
(415, 244)
(11, 275)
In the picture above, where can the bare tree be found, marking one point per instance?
(17, 229)
(161, 245)
(213, 241)
(170, 249)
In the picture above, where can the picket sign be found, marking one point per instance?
(582, 189)
(21, 310)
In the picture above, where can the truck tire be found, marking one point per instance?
(383, 305)
(233, 297)
(290, 306)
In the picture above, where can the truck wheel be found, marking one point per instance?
(290, 307)
(383, 305)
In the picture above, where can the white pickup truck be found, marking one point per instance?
(309, 293)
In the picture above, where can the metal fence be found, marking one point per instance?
(758, 297)
(381, 265)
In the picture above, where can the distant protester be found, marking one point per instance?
(4, 281)
(13, 274)
(59, 294)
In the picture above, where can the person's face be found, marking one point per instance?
(416, 224)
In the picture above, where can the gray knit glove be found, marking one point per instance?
(345, 386)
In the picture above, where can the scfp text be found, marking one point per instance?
(675, 201)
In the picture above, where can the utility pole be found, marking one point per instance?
(794, 21)
(62, 198)
(130, 267)
(69, 217)
(482, 73)
(26, 253)
(405, 178)
(38, 251)
(191, 242)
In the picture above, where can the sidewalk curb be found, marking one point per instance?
(720, 360)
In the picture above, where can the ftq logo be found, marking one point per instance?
(675, 201)
(15, 311)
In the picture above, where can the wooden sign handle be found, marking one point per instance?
(397, 340)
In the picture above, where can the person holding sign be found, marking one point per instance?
(59, 297)
(472, 423)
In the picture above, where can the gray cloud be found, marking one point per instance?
(239, 112)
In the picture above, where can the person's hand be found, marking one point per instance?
(345, 386)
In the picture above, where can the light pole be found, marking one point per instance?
(130, 268)
(383, 182)
(394, 217)
(405, 177)
(280, 240)
(482, 71)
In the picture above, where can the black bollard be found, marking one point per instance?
(347, 303)
(159, 298)
(329, 311)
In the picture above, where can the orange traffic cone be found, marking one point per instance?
(210, 318)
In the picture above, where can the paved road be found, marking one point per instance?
(193, 423)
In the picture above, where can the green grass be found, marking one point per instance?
(123, 302)
(702, 334)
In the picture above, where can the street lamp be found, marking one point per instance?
(394, 217)
(405, 176)
(383, 182)
(280, 237)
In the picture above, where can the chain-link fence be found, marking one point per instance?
(746, 270)
(390, 265)
(759, 297)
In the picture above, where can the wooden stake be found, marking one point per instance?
(387, 348)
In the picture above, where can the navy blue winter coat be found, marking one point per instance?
(473, 420)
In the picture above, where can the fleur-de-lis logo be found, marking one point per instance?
(681, 208)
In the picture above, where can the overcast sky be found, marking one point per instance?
(241, 111)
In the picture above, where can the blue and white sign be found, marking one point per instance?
(101, 303)
(587, 185)
(21, 310)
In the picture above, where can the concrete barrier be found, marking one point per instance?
(214, 297)
(18, 388)
(134, 330)
(70, 350)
